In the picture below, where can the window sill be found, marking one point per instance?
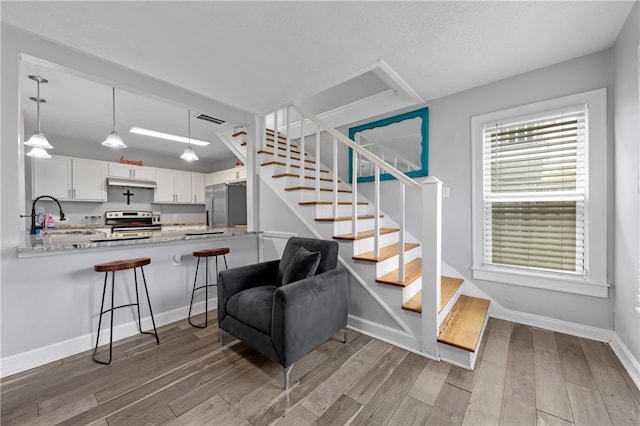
(541, 280)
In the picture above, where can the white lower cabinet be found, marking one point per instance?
(69, 179)
(174, 186)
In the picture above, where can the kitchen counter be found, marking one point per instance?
(60, 241)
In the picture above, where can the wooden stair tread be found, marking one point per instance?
(240, 133)
(413, 271)
(306, 160)
(463, 326)
(310, 188)
(363, 234)
(297, 175)
(295, 166)
(414, 304)
(385, 252)
(292, 150)
(343, 218)
(330, 203)
(448, 287)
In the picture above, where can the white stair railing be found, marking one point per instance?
(431, 214)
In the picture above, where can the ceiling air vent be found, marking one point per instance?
(213, 120)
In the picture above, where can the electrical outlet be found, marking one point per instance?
(445, 192)
(177, 259)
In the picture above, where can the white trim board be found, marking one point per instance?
(626, 359)
(59, 350)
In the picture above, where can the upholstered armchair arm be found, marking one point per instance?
(235, 280)
(308, 312)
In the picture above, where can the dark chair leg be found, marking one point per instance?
(193, 292)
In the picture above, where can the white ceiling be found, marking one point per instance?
(256, 55)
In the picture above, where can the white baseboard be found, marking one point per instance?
(385, 333)
(40, 356)
(561, 326)
(626, 359)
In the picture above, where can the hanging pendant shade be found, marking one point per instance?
(114, 140)
(188, 153)
(38, 140)
(37, 152)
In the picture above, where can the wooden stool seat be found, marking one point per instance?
(211, 252)
(120, 265)
(206, 253)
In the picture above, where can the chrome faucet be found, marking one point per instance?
(33, 212)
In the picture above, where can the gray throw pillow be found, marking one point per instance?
(303, 265)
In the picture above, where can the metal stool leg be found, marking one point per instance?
(153, 321)
(95, 349)
(193, 293)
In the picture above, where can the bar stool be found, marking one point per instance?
(120, 265)
(206, 253)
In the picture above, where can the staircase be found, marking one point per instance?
(450, 331)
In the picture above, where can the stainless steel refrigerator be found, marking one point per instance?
(226, 205)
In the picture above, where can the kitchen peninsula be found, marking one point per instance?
(64, 292)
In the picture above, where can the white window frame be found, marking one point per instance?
(594, 281)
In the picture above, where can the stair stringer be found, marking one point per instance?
(403, 337)
(234, 144)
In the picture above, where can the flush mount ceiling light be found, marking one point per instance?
(167, 136)
(114, 140)
(188, 153)
(38, 141)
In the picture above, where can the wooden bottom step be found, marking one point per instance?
(413, 271)
(385, 252)
(364, 234)
(448, 287)
(463, 326)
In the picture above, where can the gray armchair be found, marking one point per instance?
(285, 308)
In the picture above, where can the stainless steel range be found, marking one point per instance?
(131, 221)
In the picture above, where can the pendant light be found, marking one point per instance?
(188, 153)
(114, 140)
(38, 141)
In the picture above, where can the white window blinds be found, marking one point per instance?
(534, 191)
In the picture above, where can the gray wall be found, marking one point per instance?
(627, 200)
(450, 161)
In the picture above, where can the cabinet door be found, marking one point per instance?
(197, 186)
(89, 180)
(51, 177)
(120, 170)
(142, 172)
(183, 187)
(164, 192)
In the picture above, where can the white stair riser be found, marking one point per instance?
(295, 159)
(366, 244)
(326, 210)
(306, 195)
(412, 289)
(344, 226)
(390, 264)
(295, 181)
(278, 170)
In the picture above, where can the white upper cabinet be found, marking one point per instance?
(174, 186)
(197, 187)
(131, 171)
(229, 175)
(69, 179)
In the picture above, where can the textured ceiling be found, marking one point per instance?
(255, 55)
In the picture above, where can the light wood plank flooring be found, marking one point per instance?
(523, 376)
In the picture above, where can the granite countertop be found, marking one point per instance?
(68, 243)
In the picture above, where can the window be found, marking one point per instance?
(539, 210)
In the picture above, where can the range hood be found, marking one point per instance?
(131, 183)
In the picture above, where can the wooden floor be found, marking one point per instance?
(524, 376)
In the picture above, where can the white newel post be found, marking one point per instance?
(431, 263)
